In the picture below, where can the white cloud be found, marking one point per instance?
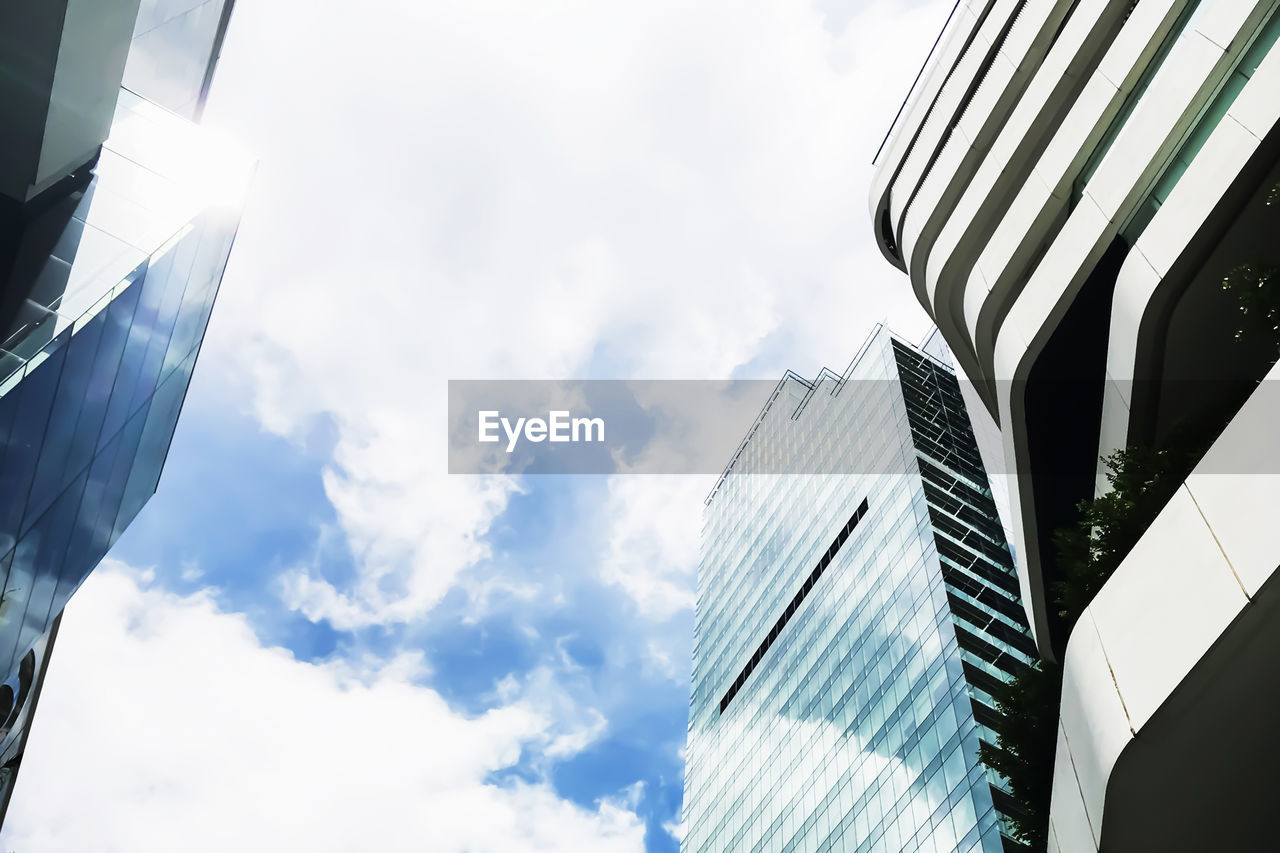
(519, 190)
(631, 796)
(549, 692)
(409, 541)
(656, 525)
(660, 660)
(572, 742)
(165, 725)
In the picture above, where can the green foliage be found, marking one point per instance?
(1142, 481)
(1257, 289)
(1255, 286)
(1023, 754)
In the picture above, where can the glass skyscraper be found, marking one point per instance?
(174, 50)
(108, 272)
(856, 604)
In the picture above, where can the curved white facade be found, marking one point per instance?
(1067, 190)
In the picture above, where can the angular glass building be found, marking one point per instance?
(174, 51)
(856, 605)
(108, 271)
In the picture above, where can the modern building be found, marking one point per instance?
(856, 605)
(116, 219)
(1084, 196)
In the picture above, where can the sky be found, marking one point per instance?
(314, 638)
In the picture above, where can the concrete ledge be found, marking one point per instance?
(1175, 599)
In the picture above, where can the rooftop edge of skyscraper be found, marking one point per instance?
(828, 601)
(824, 374)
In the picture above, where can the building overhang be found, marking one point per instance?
(1189, 613)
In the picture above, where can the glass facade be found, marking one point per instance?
(105, 312)
(848, 627)
(1208, 120)
(173, 52)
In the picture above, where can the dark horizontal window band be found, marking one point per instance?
(796, 601)
(977, 646)
(993, 626)
(956, 579)
(981, 679)
(984, 716)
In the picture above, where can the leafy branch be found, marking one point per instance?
(1142, 481)
(1255, 287)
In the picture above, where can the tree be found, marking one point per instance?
(1023, 753)
(1255, 286)
(1142, 481)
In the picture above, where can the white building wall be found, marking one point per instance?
(998, 241)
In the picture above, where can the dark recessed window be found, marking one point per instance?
(844, 534)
